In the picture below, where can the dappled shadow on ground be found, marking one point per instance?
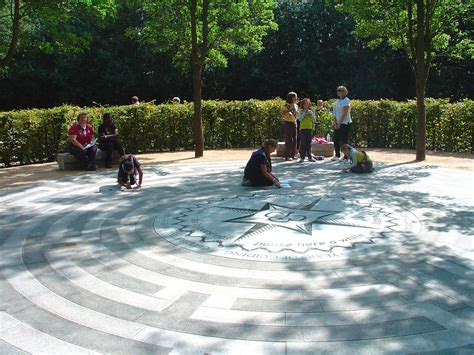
(366, 297)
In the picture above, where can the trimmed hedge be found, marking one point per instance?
(30, 136)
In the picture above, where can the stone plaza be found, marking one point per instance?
(194, 263)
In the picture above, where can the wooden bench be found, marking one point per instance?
(326, 150)
(67, 161)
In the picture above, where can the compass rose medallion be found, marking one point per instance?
(272, 226)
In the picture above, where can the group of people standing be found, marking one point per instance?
(298, 123)
(299, 120)
(82, 144)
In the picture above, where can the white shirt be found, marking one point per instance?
(339, 109)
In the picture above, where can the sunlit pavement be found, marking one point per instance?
(196, 263)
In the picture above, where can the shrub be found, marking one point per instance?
(30, 136)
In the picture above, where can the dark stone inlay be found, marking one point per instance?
(7, 348)
(395, 328)
(466, 312)
(256, 305)
(361, 302)
(458, 350)
(77, 334)
(11, 301)
(436, 298)
(7, 229)
(61, 286)
(125, 251)
(111, 240)
(318, 304)
(448, 279)
(176, 316)
(103, 272)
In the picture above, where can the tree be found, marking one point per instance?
(423, 29)
(313, 58)
(203, 33)
(20, 19)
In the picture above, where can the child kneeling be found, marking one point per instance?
(128, 170)
(360, 161)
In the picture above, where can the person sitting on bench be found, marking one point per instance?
(360, 161)
(108, 139)
(81, 142)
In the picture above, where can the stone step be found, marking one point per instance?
(67, 161)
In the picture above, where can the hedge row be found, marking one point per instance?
(37, 135)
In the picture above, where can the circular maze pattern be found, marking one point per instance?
(87, 268)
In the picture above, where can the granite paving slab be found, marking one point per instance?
(196, 263)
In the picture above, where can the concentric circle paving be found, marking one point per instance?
(195, 263)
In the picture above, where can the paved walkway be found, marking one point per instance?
(195, 263)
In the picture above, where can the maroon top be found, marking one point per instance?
(83, 135)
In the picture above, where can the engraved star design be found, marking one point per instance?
(299, 220)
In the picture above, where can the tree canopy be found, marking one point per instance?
(422, 29)
(45, 24)
(313, 51)
(202, 33)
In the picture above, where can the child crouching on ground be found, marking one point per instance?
(360, 161)
(128, 169)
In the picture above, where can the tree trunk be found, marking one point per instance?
(420, 77)
(196, 65)
(15, 34)
(197, 98)
(420, 119)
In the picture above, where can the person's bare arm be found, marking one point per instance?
(269, 176)
(140, 176)
(111, 135)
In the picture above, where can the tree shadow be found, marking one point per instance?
(380, 295)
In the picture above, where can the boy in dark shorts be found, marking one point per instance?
(128, 170)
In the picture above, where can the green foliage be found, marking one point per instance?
(51, 25)
(230, 28)
(36, 135)
(312, 58)
(391, 124)
(394, 21)
(33, 135)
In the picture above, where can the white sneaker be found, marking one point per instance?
(343, 159)
(334, 158)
